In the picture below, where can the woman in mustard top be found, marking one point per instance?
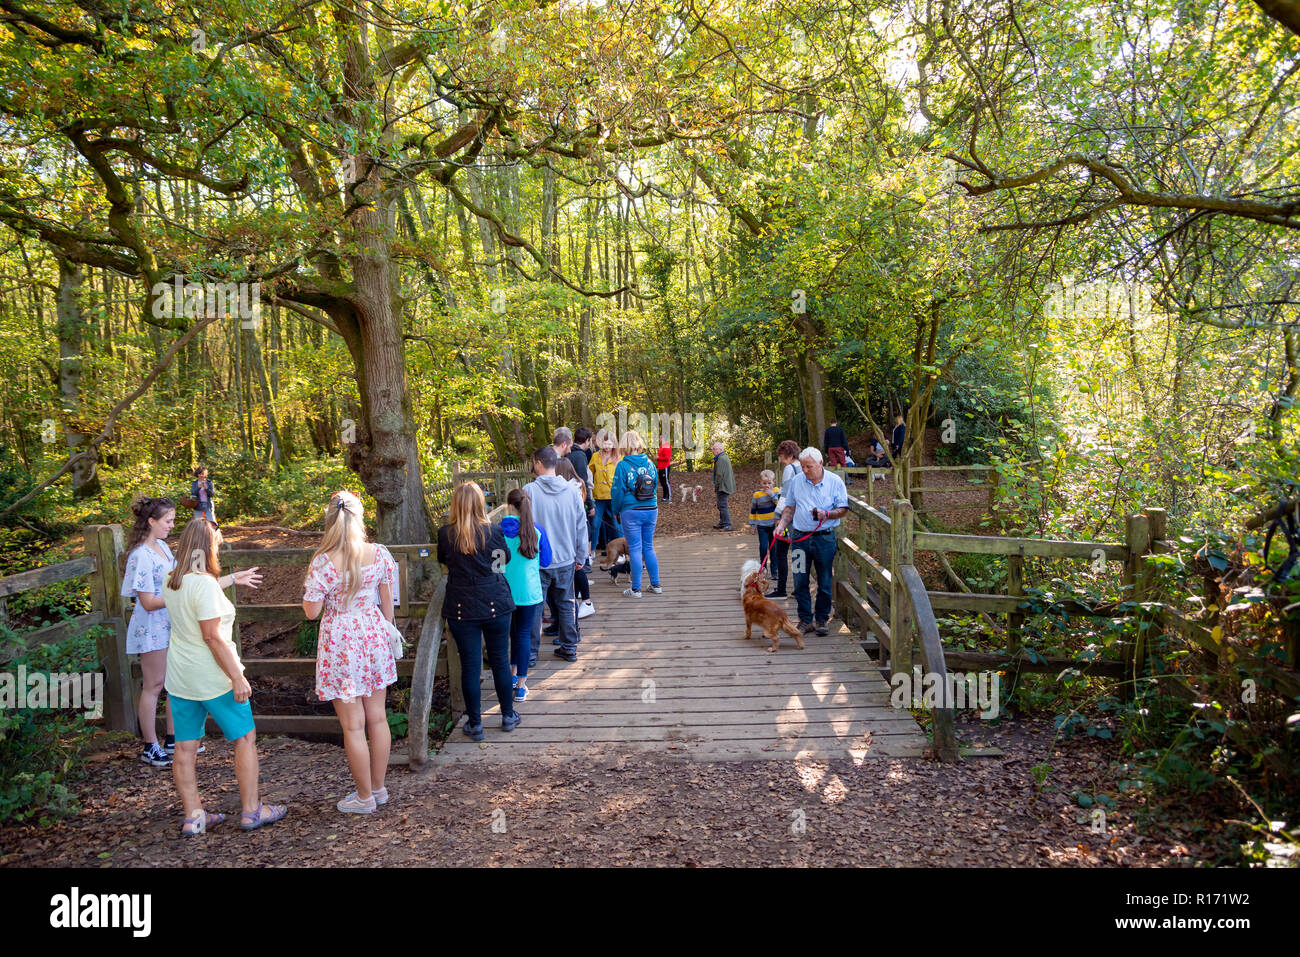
(602, 476)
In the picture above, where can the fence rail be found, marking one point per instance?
(877, 583)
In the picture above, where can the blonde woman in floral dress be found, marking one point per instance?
(354, 657)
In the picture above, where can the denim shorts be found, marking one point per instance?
(234, 719)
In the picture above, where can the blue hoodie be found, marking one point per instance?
(522, 573)
(623, 489)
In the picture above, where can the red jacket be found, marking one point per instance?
(665, 456)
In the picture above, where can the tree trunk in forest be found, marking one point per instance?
(385, 455)
(85, 480)
(254, 352)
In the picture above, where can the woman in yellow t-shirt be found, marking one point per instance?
(204, 675)
(602, 468)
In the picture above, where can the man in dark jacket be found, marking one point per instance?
(724, 483)
(836, 443)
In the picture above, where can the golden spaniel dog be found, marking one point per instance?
(768, 615)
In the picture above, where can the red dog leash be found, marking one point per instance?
(777, 538)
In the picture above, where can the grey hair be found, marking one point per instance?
(562, 435)
(812, 452)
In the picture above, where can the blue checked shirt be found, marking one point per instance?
(805, 496)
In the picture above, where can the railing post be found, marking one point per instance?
(1137, 540)
(426, 666)
(105, 544)
(1016, 589)
(995, 518)
(900, 554)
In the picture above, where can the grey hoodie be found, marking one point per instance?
(557, 507)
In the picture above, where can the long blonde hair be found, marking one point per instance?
(632, 443)
(468, 518)
(197, 547)
(613, 451)
(345, 532)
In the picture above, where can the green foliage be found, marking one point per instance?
(40, 750)
(305, 642)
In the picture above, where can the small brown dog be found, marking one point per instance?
(768, 615)
(617, 561)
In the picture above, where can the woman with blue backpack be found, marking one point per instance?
(529, 551)
(635, 496)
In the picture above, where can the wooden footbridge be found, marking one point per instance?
(673, 674)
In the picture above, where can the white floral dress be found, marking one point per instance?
(353, 654)
(145, 570)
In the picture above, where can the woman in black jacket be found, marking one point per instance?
(478, 606)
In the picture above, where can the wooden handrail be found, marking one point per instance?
(927, 629)
(426, 658)
(47, 575)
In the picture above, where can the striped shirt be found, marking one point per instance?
(762, 508)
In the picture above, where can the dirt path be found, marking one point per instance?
(622, 811)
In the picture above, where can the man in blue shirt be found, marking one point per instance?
(814, 504)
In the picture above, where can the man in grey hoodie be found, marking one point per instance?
(557, 507)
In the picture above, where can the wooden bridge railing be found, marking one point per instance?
(877, 583)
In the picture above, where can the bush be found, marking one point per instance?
(40, 750)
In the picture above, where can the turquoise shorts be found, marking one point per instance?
(234, 719)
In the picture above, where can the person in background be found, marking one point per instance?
(579, 456)
(762, 511)
(788, 454)
(724, 484)
(203, 492)
(354, 656)
(876, 458)
(149, 630)
(900, 435)
(581, 584)
(529, 551)
(837, 444)
(558, 507)
(603, 465)
(477, 604)
(637, 506)
(664, 463)
(205, 677)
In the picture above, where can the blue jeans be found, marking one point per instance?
(764, 541)
(817, 551)
(605, 512)
(521, 636)
(639, 529)
(780, 563)
(470, 637)
(557, 586)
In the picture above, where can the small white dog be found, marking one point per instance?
(746, 570)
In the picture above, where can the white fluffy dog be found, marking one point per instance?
(746, 570)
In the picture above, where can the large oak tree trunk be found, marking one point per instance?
(85, 480)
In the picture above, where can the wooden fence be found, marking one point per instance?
(877, 583)
(103, 566)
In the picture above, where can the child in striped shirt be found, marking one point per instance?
(762, 510)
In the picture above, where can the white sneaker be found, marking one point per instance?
(354, 805)
(586, 609)
(656, 589)
(631, 594)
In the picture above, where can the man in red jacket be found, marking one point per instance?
(665, 460)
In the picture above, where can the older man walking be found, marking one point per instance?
(724, 483)
(815, 501)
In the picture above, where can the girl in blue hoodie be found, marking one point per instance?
(529, 551)
(635, 496)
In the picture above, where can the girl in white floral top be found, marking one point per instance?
(354, 657)
(149, 631)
